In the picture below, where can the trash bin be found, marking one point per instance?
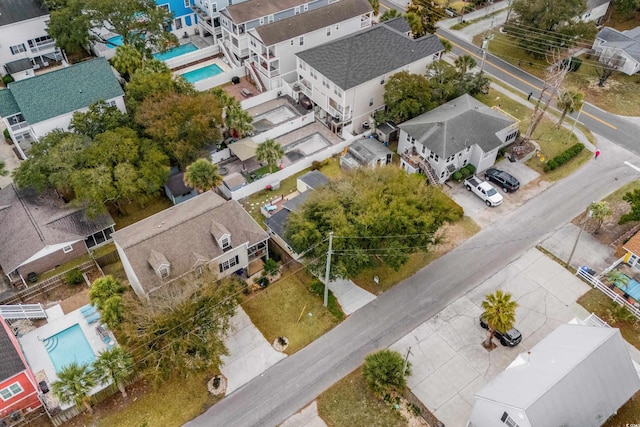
(588, 270)
(235, 80)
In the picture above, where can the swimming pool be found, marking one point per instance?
(202, 73)
(631, 288)
(306, 146)
(114, 42)
(67, 346)
(176, 51)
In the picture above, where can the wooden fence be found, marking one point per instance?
(106, 259)
(45, 286)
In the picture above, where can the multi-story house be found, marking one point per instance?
(345, 78)
(238, 19)
(272, 47)
(33, 107)
(25, 44)
(185, 21)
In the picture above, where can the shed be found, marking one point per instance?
(311, 180)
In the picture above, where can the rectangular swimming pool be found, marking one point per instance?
(114, 42)
(202, 73)
(67, 346)
(306, 146)
(176, 51)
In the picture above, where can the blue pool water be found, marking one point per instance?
(69, 346)
(114, 41)
(632, 289)
(176, 51)
(202, 73)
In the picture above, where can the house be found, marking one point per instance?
(18, 388)
(632, 251)
(272, 47)
(205, 232)
(185, 21)
(276, 223)
(462, 131)
(576, 376)
(366, 152)
(345, 78)
(40, 232)
(25, 46)
(596, 11)
(238, 19)
(175, 188)
(619, 49)
(33, 107)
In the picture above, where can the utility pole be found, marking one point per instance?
(406, 362)
(508, 10)
(573, 126)
(485, 47)
(326, 271)
(575, 244)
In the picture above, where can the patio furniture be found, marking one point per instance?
(246, 92)
(93, 318)
(88, 310)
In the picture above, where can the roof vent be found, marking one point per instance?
(476, 107)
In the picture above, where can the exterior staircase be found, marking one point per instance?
(254, 75)
(426, 168)
(225, 52)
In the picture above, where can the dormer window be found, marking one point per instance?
(164, 271)
(225, 243)
(159, 264)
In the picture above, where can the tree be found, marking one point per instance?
(384, 372)
(202, 175)
(464, 64)
(499, 313)
(633, 199)
(3, 168)
(616, 276)
(626, 8)
(100, 118)
(427, 14)
(541, 25)
(113, 312)
(181, 332)
(271, 152)
(375, 5)
(104, 288)
(389, 14)
(183, 122)
(127, 60)
(69, 26)
(415, 23)
(599, 212)
(407, 96)
(380, 206)
(153, 78)
(569, 102)
(238, 121)
(114, 366)
(74, 384)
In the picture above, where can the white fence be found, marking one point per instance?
(218, 79)
(22, 311)
(260, 99)
(619, 299)
(221, 155)
(191, 57)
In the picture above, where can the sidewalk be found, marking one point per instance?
(350, 296)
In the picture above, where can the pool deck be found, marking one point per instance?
(36, 353)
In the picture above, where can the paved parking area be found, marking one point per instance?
(449, 364)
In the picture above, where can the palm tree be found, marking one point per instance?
(238, 120)
(499, 313)
(127, 60)
(75, 381)
(384, 371)
(428, 16)
(464, 63)
(114, 365)
(616, 276)
(375, 5)
(389, 14)
(202, 175)
(569, 102)
(269, 151)
(600, 211)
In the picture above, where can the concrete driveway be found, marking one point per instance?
(449, 364)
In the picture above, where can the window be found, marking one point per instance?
(164, 271)
(370, 102)
(224, 266)
(305, 7)
(199, 271)
(303, 66)
(328, 31)
(67, 249)
(225, 242)
(111, 103)
(292, 42)
(262, 20)
(337, 27)
(297, 10)
(17, 49)
(337, 91)
(214, 7)
(301, 40)
(270, 18)
(164, 6)
(13, 390)
(434, 156)
(253, 42)
(187, 3)
(511, 136)
(178, 23)
(325, 83)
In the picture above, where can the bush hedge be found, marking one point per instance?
(471, 169)
(74, 277)
(457, 176)
(564, 157)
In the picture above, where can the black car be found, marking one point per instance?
(511, 338)
(506, 181)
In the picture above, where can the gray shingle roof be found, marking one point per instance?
(314, 179)
(18, 65)
(367, 150)
(8, 105)
(399, 24)
(278, 222)
(12, 11)
(313, 20)
(182, 234)
(254, 9)
(29, 222)
(65, 90)
(368, 54)
(592, 4)
(628, 41)
(11, 363)
(176, 185)
(462, 122)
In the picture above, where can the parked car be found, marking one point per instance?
(484, 190)
(510, 338)
(506, 181)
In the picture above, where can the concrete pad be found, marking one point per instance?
(434, 391)
(350, 296)
(249, 353)
(589, 250)
(454, 412)
(307, 417)
(458, 371)
(468, 393)
(521, 171)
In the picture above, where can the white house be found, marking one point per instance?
(619, 49)
(596, 11)
(576, 376)
(272, 47)
(205, 232)
(23, 36)
(462, 131)
(345, 78)
(33, 107)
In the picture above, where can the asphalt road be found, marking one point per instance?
(616, 129)
(297, 380)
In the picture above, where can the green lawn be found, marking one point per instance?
(287, 308)
(136, 212)
(173, 403)
(617, 195)
(350, 403)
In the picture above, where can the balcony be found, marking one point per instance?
(18, 126)
(268, 70)
(42, 46)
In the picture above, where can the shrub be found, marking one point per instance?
(315, 165)
(471, 169)
(6, 134)
(457, 176)
(465, 172)
(263, 281)
(6, 79)
(564, 157)
(317, 288)
(270, 267)
(74, 277)
(384, 372)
